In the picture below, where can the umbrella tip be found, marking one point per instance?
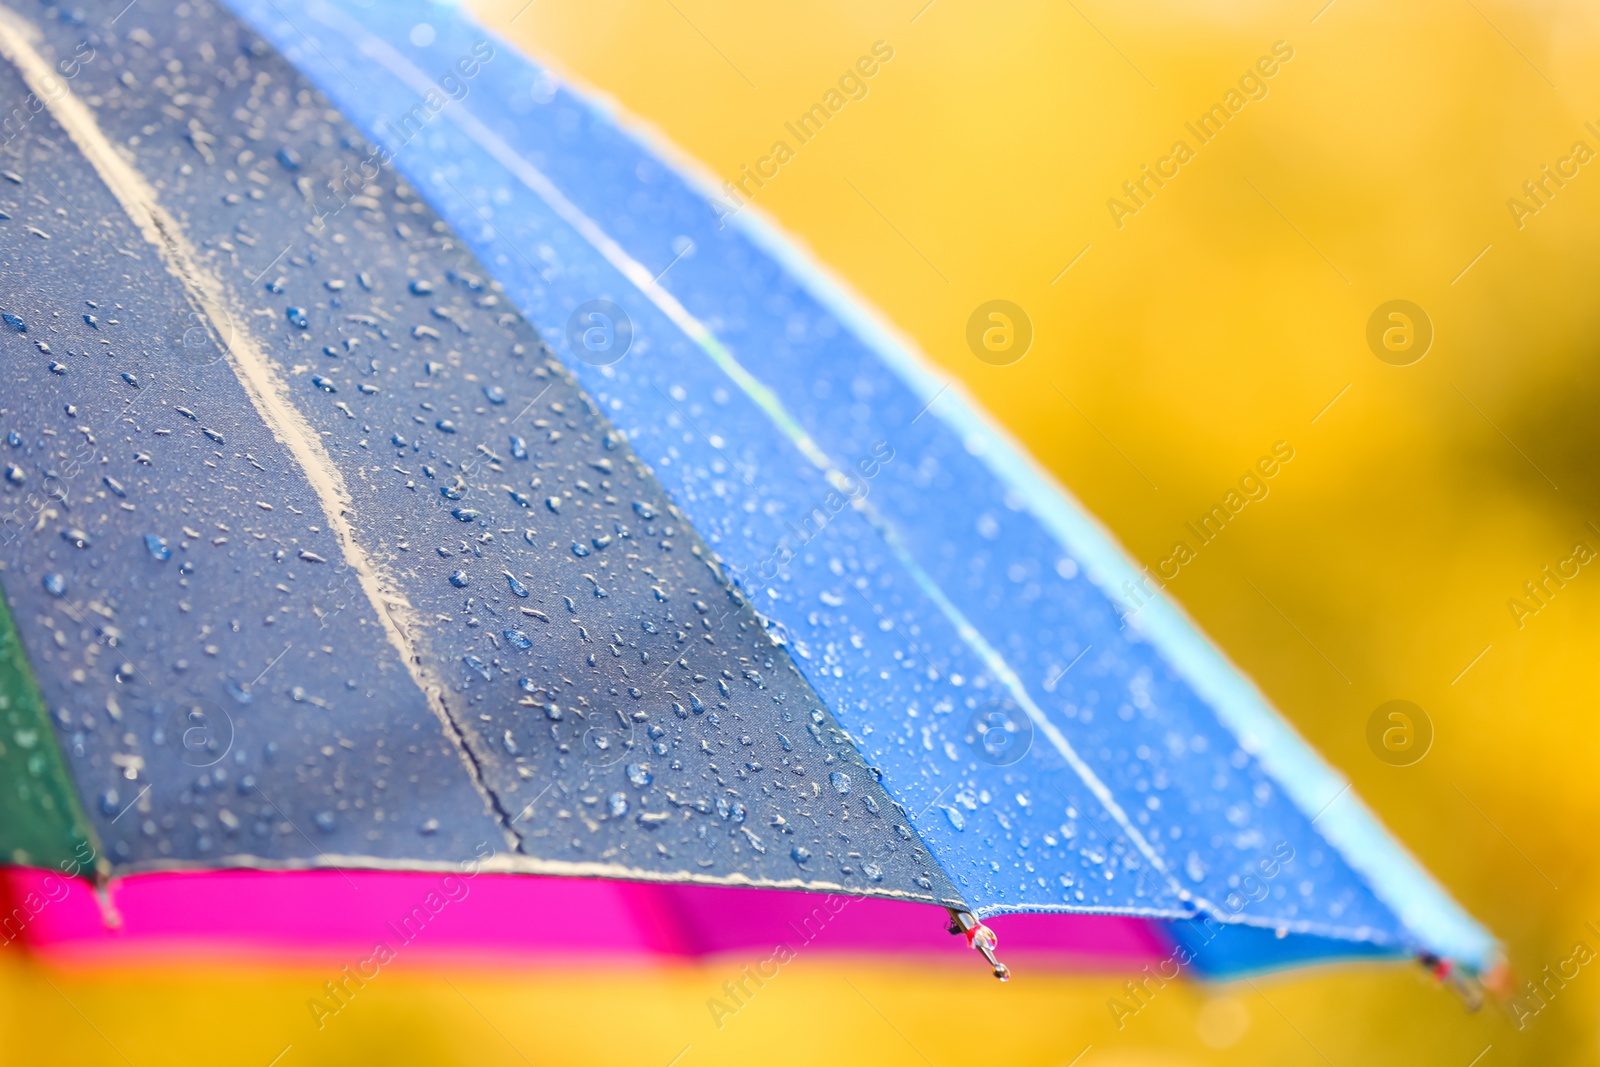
(1469, 986)
(981, 938)
(110, 917)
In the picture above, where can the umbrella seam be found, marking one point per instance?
(251, 366)
(522, 863)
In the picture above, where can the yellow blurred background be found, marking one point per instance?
(1229, 312)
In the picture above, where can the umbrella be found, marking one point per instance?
(406, 457)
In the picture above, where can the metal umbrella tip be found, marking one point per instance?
(979, 937)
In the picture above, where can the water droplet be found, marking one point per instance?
(516, 587)
(114, 485)
(326, 821)
(478, 665)
(465, 514)
(955, 818)
(420, 287)
(325, 384)
(494, 394)
(800, 853)
(518, 638)
(519, 447)
(459, 579)
(158, 547)
(297, 317)
(579, 549)
(638, 774)
(445, 426)
(76, 538)
(840, 782)
(553, 503)
(872, 871)
(553, 712)
(15, 322)
(14, 474)
(618, 803)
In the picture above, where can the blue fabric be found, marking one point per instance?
(960, 586)
(1232, 951)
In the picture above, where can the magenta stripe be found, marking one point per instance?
(338, 917)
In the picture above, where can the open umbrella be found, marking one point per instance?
(321, 557)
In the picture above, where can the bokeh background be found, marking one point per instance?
(1228, 314)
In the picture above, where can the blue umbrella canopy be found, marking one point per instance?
(458, 465)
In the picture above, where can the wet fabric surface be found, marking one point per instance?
(579, 675)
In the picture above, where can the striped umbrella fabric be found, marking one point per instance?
(406, 458)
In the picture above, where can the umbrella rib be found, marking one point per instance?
(261, 380)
